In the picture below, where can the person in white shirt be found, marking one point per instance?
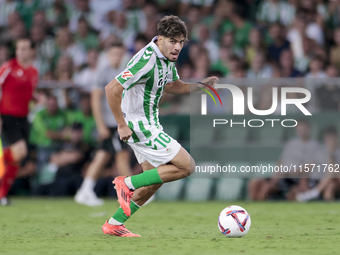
(86, 77)
(297, 151)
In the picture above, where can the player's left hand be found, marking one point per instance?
(212, 80)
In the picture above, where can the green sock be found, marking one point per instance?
(146, 178)
(121, 217)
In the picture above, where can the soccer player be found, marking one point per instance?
(133, 97)
(18, 79)
(109, 143)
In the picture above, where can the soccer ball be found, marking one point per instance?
(234, 221)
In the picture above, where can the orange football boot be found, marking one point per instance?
(119, 230)
(124, 194)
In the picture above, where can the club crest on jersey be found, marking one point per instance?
(126, 75)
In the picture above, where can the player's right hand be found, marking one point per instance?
(124, 133)
(103, 133)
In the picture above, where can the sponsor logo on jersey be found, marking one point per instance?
(126, 75)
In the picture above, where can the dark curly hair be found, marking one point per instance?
(172, 26)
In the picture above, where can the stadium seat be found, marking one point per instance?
(170, 190)
(229, 189)
(198, 189)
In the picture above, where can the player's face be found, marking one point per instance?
(171, 47)
(23, 51)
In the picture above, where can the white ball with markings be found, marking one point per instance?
(234, 221)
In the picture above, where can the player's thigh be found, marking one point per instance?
(183, 160)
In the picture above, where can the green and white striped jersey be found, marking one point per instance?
(143, 80)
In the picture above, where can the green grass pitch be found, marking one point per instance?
(60, 226)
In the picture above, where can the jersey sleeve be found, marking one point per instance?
(175, 75)
(138, 67)
(5, 69)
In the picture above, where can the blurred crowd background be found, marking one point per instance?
(230, 39)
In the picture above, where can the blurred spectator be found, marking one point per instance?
(135, 16)
(39, 19)
(209, 44)
(328, 95)
(139, 43)
(222, 64)
(150, 10)
(57, 14)
(279, 44)
(4, 54)
(86, 77)
(14, 32)
(45, 45)
(7, 7)
(204, 4)
(276, 11)
(104, 59)
(64, 69)
(297, 151)
(61, 175)
(48, 130)
(302, 62)
(240, 26)
(335, 50)
(259, 68)
(185, 72)
(228, 41)
(201, 64)
(256, 45)
(85, 118)
(303, 27)
(316, 68)
(119, 27)
(66, 46)
(287, 65)
(234, 63)
(48, 125)
(152, 29)
(26, 9)
(324, 184)
(84, 37)
(192, 21)
(41, 64)
(81, 10)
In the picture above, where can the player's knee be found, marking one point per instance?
(189, 168)
(19, 151)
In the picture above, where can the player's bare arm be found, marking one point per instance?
(114, 93)
(180, 87)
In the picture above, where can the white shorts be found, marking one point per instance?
(158, 150)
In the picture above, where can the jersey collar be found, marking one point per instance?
(156, 49)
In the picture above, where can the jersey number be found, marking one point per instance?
(161, 140)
